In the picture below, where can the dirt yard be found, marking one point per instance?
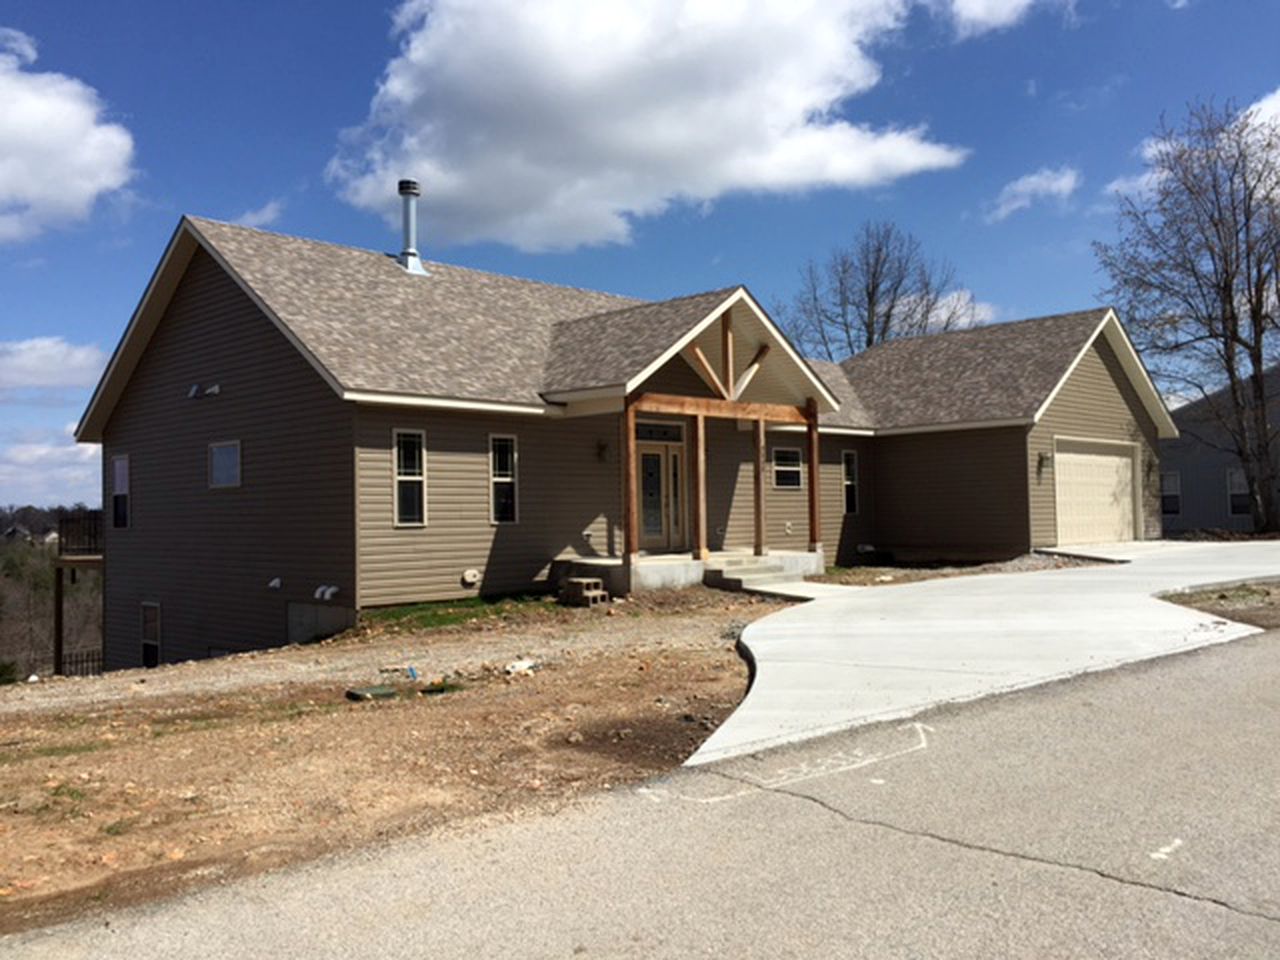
(1256, 603)
(143, 783)
(877, 576)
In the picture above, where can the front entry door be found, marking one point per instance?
(660, 488)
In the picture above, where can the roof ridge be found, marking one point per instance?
(632, 301)
(649, 303)
(983, 328)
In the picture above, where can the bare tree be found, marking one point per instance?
(1196, 270)
(879, 288)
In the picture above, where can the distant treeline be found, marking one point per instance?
(36, 520)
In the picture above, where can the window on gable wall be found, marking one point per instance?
(411, 479)
(1171, 493)
(120, 492)
(1237, 493)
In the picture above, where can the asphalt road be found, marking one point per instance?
(1133, 813)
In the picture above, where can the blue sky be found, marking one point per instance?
(651, 149)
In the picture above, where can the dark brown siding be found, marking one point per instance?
(676, 376)
(205, 555)
(957, 495)
(1097, 402)
(569, 485)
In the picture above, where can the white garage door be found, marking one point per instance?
(1095, 492)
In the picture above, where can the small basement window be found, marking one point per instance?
(851, 481)
(151, 635)
(1237, 493)
(411, 480)
(224, 464)
(120, 492)
(1171, 493)
(786, 467)
(502, 479)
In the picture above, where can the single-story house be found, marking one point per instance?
(293, 431)
(1202, 482)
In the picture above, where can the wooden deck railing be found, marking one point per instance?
(80, 534)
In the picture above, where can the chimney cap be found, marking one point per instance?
(410, 188)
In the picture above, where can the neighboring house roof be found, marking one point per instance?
(1210, 409)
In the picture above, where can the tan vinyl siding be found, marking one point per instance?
(1096, 402)
(957, 495)
(730, 516)
(568, 483)
(205, 555)
(678, 377)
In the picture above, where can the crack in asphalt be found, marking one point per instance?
(999, 852)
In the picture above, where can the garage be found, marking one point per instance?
(1095, 491)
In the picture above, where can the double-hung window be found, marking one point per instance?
(411, 479)
(503, 466)
(120, 492)
(850, 478)
(786, 467)
(1171, 493)
(1237, 493)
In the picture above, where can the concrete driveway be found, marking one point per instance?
(856, 655)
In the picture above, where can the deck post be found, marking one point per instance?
(700, 551)
(815, 483)
(726, 352)
(57, 620)
(757, 475)
(630, 510)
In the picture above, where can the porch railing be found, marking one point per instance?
(80, 534)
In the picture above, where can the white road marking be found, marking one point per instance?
(1163, 852)
(836, 763)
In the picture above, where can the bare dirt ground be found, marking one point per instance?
(875, 576)
(1255, 603)
(143, 783)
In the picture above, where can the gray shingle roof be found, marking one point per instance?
(459, 333)
(1001, 372)
(609, 348)
(852, 412)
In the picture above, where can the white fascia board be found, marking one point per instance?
(826, 431)
(738, 296)
(948, 427)
(449, 403)
(592, 393)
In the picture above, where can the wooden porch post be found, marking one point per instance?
(630, 510)
(815, 483)
(757, 475)
(57, 619)
(700, 551)
(726, 352)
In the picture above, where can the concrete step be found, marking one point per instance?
(744, 577)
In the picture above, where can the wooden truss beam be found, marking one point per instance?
(749, 374)
(723, 409)
(704, 365)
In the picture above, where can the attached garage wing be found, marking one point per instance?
(1096, 485)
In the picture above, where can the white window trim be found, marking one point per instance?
(396, 434)
(845, 456)
(1232, 472)
(142, 628)
(514, 480)
(798, 468)
(239, 466)
(128, 492)
(1163, 494)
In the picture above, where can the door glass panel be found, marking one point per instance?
(651, 494)
(676, 506)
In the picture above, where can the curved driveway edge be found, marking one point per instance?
(867, 654)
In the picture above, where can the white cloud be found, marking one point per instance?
(50, 469)
(978, 16)
(555, 124)
(1044, 184)
(57, 154)
(264, 216)
(1178, 4)
(45, 362)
